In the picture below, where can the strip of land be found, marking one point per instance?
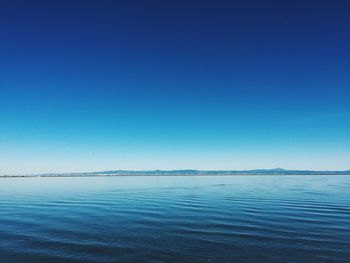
(277, 171)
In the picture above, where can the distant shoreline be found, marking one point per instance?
(160, 175)
(186, 172)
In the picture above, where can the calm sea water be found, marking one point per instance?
(175, 219)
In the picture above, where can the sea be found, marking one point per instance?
(175, 219)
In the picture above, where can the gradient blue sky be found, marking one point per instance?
(98, 85)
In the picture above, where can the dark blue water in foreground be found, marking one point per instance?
(175, 219)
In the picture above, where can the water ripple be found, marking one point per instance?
(172, 219)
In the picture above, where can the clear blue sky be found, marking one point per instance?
(96, 85)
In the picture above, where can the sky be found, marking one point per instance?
(100, 85)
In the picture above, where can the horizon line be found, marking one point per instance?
(177, 170)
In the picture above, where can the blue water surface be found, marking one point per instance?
(175, 219)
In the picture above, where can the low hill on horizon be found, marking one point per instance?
(275, 171)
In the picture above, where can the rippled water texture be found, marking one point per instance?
(175, 219)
